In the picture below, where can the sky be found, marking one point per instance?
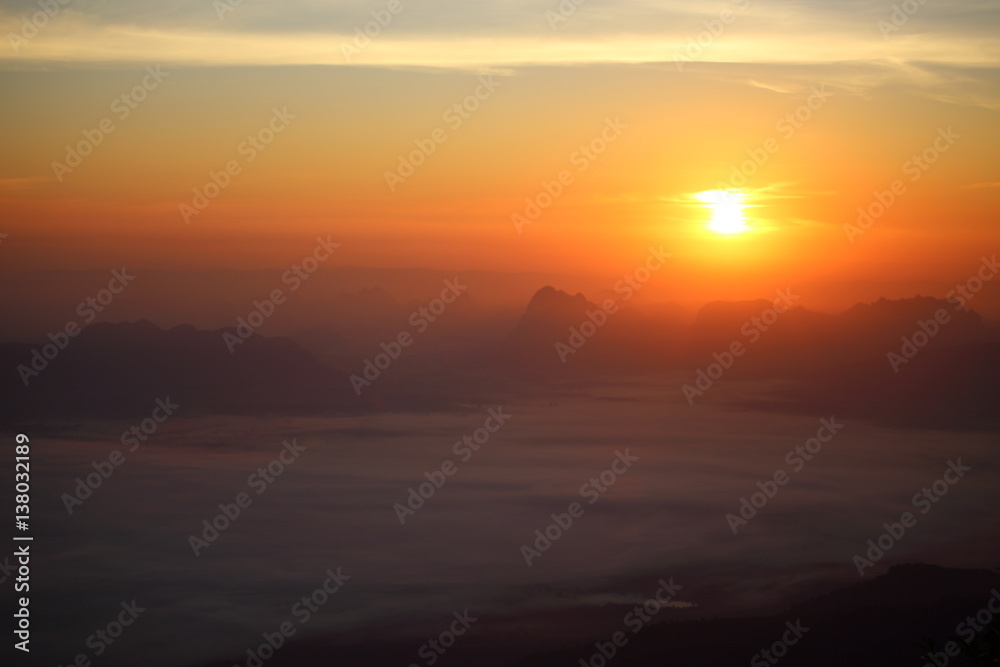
(550, 137)
(724, 149)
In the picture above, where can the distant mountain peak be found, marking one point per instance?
(549, 298)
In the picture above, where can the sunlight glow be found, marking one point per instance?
(727, 210)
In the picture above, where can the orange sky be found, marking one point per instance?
(679, 133)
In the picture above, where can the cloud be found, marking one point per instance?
(445, 33)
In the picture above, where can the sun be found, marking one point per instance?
(727, 210)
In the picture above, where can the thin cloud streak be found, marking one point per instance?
(81, 39)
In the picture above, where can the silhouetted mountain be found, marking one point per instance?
(113, 369)
(330, 346)
(947, 359)
(872, 329)
(799, 341)
(546, 320)
(839, 363)
(603, 338)
(786, 342)
(334, 296)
